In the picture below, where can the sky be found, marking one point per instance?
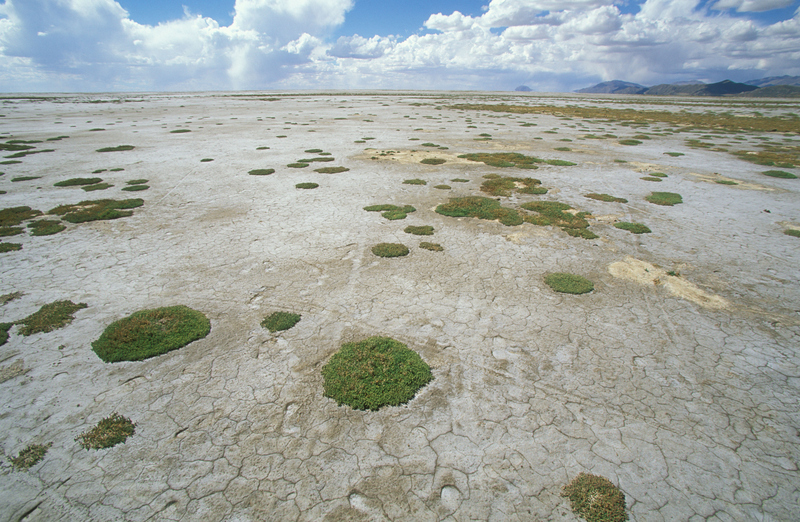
(489, 45)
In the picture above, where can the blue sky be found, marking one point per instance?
(549, 45)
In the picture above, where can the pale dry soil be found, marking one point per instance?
(681, 389)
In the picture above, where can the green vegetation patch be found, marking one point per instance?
(459, 180)
(595, 499)
(179, 131)
(15, 215)
(118, 148)
(433, 247)
(323, 159)
(373, 373)
(568, 283)
(657, 174)
(297, 165)
(9, 247)
(11, 231)
(664, 198)
(415, 181)
(46, 227)
(279, 321)
(792, 232)
(630, 142)
(98, 186)
(779, 174)
(504, 159)
(502, 186)
(313, 151)
(30, 456)
(331, 170)
(50, 317)
(481, 208)
(206, 160)
(4, 328)
(425, 230)
(136, 182)
(725, 182)
(77, 182)
(390, 250)
(442, 187)
(606, 197)
(307, 185)
(135, 188)
(674, 154)
(24, 178)
(148, 333)
(651, 178)
(96, 210)
(562, 149)
(636, 228)
(560, 163)
(391, 212)
(555, 213)
(109, 432)
(261, 172)
(433, 161)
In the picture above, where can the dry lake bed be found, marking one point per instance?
(677, 377)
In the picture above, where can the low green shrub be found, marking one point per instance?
(279, 321)
(664, 198)
(16, 215)
(179, 131)
(442, 187)
(606, 197)
(331, 170)
(725, 182)
(206, 160)
(459, 180)
(9, 247)
(298, 165)
(636, 228)
(630, 142)
(119, 148)
(24, 178)
(46, 227)
(135, 188)
(77, 181)
(503, 186)
(568, 283)
(650, 178)
(481, 208)
(674, 154)
(307, 185)
(30, 456)
(425, 230)
(97, 186)
(136, 182)
(96, 210)
(504, 159)
(792, 232)
(560, 163)
(779, 174)
(261, 172)
(148, 333)
(415, 181)
(433, 247)
(391, 212)
(595, 499)
(11, 231)
(114, 429)
(49, 317)
(390, 250)
(433, 161)
(373, 373)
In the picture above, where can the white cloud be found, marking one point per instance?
(745, 6)
(549, 44)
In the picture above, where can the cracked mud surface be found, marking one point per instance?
(691, 410)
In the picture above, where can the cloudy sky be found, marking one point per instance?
(549, 45)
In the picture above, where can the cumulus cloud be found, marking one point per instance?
(549, 44)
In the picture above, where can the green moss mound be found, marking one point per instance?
(792, 232)
(179, 131)
(650, 178)
(307, 185)
(261, 172)
(568, 283)
(331, 170)
(606, 197)
(11, 231)
(433, 247)
(136, 181)
(504, 186)
(148, 333)
(555, 213)
(373, 373)
(666, 199)
(433, 161)
(297, 165)
(595, 499)
(415, 181)
(390, 250)
(425, 230)
(50, 317)
(9, 247)
(15, 215)
(98, 186)
(560, 163)
(779, 174)
(391, 212)
(30, 456)
(481, 208)
(113, 430)
(96, 210)
(135, 188)
(630, 142)
(279, 321)
(46, 227)
(119, 148)
(636, 228)
(504, 159)
(77, 181)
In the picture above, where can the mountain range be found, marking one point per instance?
(774, 86)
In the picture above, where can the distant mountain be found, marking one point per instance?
(775, 80)
(712, 89)
(614, 87)
(774, 91)
(690, 82)
(523, 88)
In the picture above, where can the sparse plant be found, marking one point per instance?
(792, 232)
(136, 182)
(595, 499)
(568, 283)
(307, 185)
(415, 181)
(101, 209)
(650, 178)
(433, 247)
(664, 198)
(606, 197)
(118, 148)
(425, 230)
(373, 373)
(433, 161)
(110, 431)
(503, 186)
(459, 180)
(331, 170)
(297, 165)
(30, 456)
(636, 228)
(135, 188)
(779, 174)
(206, 160)
(46, 227)
(49, 317)
(480, 207)
(504, 159)
(674, 154)
(77, 181)
(630, 142)
(97, 186)
(725, 182)
(9, 247)
(261, 172)
(24, 178)
(279, 321)
(390, 250)
(442, 187)
(148, 333)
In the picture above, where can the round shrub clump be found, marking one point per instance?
(148, 333)
(373, 373)
(569, 283)
(595, 499)
(390, 250)
(279, 321)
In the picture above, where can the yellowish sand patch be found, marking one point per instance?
(407, 156)
(713, 178)
(646, 274)
(609, 218)
(519, 238)
(789, 225)
(646, 168)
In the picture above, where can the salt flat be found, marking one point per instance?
(677, 378)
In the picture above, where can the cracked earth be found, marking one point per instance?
(677, 378)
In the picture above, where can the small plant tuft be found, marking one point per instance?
(46, 227)
(667, 199)
(307, 185)
(595, 499)
(792, 232)
(261, 172)
(606, 197)
(373, 373)
(119, 148)
(433, 247)
(30, 456)
(101, 209)
(77, 181)
(568, 283)
(390, 250)
(636, 228)
(9, 247)
(433, 161)
(425, 230)
(779, 174)
(50, 317)
(415, 181)
(109, 432)
(279, 321)
(331, 170)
